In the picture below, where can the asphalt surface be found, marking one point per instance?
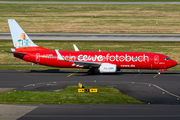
(104, 112)
(22, 2)
(98, 37)
(161, 93)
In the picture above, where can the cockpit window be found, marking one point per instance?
(166, 58)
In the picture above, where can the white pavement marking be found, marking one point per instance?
(35, 84)
(138, 74)
(51, 84)
(13, 112)
(160, 89)
(28, 85)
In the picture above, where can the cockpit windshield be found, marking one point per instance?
(166, 58)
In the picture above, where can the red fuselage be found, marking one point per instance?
(123, 60)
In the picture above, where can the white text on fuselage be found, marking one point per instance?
(112, 58)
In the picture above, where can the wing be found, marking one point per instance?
(79, 63)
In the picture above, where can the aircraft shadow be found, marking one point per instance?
(97, 73)
(136, 73)
(55, 71)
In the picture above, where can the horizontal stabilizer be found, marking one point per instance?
(15, 52)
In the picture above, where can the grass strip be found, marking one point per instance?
(69, 95)
(92, 18)
(101, 0)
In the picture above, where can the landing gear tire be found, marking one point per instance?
(91, 72)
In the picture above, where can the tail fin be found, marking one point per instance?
(19, 37)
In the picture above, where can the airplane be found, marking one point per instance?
(103, 61)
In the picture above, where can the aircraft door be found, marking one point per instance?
(156, 59)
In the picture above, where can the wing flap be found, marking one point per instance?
(86, 64)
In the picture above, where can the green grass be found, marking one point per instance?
(101, 0)
(69, 95)
(58, 18)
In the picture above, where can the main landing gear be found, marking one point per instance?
(91, 71)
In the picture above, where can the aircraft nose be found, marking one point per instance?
(173, 63)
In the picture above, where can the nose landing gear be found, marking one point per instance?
(160, 70)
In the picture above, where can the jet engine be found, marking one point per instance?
(107, 68)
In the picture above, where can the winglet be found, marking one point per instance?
(59, 56)
(75, 47)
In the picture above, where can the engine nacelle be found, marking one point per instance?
(107, 68)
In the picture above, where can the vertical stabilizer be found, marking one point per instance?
(19, 37)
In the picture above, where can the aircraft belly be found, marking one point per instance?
(19, 56)
(158, 66)
(64, 64)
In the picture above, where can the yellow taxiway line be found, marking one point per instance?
(155, 75)
(72, 74)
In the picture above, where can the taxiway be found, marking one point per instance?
(97, 37)
(161, 93)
